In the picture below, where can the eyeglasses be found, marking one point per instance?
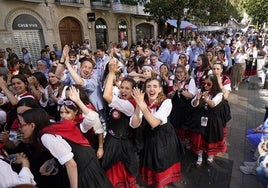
(67, 103)
(23, 124)
(182, 57)
(179, 72)
(207, 84)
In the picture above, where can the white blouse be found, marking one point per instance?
(58, 147)
(162, 113)
(9, 178)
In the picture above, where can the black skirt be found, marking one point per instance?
(90, 172)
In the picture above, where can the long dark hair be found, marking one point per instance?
(215, 89)
(39, 117)
(41, 78)
(205, 61)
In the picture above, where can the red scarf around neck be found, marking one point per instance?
(69, 130)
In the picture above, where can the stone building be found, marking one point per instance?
(36, 23)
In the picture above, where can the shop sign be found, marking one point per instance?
(91, 17)
(101, 27)
(26, 22)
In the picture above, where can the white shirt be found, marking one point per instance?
(58, 147)
(122, 105)
(162, 113)
(9, 178)
(217, 99)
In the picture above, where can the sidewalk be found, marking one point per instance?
(248, 109)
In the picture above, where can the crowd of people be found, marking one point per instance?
(120, 116)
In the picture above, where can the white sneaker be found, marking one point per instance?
(248, 170)
(236, 88)
(248, 163)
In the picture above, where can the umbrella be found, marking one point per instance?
(184, 25)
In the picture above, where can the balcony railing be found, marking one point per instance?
(118, 7)
(34, 1)
(73, 3)
(100, 4)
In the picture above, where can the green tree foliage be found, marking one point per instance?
(257, 9)
(206, 10)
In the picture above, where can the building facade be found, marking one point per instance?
(36, 23)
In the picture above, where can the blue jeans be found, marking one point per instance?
(262, 174)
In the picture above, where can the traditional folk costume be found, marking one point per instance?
(65, 141)
(160, 154)
(120, 159)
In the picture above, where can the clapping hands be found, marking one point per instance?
(138, 95)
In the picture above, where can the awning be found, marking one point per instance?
(211, 28)
(184, 25)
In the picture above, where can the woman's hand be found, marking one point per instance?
(138, 95)
(74, 94)
(2, 82)
(22, 159)
(205, 96)
(4, 137)
(48, 168)
(100, 152)
(32, 81)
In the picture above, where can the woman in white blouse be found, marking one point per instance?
(160, 155)
(239, 67)
(66, 142)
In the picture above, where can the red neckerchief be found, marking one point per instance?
(225, 80)
(154, 105)
(69, 130)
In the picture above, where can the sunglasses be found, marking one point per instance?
(182, 57)
(66, 102)
(207, 84)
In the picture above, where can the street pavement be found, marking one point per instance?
(248, 110)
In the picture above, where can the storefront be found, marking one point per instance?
(122, 30)
(101, 32)
(28, 33)
(144, 30)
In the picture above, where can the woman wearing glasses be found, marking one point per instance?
(208, 123)
(65, 141)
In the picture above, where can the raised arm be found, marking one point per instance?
(76, 77)
(61, 64)
(108, 91)
(3, 85)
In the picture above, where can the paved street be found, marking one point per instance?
(247, 112)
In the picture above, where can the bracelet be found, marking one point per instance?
(60, 62)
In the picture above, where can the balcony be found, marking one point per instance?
(124, 7)
(101, 4)
(70, 3)
(34, 1)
